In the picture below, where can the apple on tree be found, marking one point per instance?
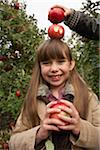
(18, 93)
(3, 58)
(56, 31)
(56, 15)
(17, 5)
(5, 146)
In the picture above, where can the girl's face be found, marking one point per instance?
(56, 71)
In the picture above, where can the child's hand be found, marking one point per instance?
(73, 122)
(49, 124)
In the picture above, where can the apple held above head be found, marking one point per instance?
(56, 15)
(56, 31)
(55, 115)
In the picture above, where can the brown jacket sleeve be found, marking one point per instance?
(90, 129)
(22, 138)
(83, 24)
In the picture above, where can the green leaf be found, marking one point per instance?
(49, 145)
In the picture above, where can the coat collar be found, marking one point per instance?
(68, 92)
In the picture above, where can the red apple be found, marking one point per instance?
(55, 115)
(17, 5)
(18, 94)
(56, 15)
(1, 143)
(3, 58)
(5, 146)
(56, 31)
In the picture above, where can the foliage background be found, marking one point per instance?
(19, 38)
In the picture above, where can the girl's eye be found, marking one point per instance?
(45, 62)
(61, 61)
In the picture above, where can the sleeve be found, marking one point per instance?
(89, 131)
(22, 137)
(83, 24)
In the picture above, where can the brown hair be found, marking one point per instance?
(55, 49)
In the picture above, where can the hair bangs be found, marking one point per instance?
(52, 50)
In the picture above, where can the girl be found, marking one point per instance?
(55, 79)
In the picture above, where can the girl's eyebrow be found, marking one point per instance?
(45, 61)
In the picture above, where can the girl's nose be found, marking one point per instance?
(54, 67)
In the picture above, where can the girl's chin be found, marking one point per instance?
(56, 84)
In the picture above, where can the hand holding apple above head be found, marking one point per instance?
(66, 11)
(56, 15)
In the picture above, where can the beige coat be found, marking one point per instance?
(89, 134)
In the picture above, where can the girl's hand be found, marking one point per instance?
(72, 122)
(49, 124)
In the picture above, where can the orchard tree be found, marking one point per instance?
(86, 52)
(19, 38)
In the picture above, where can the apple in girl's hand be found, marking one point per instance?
(56, 15)
(55, 115)
(56, 31)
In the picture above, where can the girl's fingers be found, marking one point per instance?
(68, 119)
(66, 109)
(52, 124)
(53, 121)
(51, 127)
(51, 104)
(71, 108)
(67, 127)
(53, 110)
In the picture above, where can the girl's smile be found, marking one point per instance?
(56, 72)
(55, 78)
